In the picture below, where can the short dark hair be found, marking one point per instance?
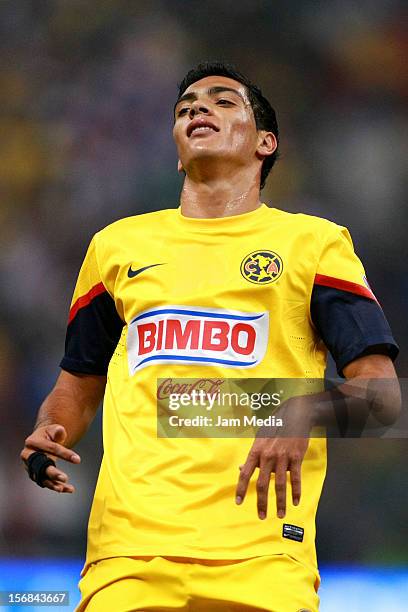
(265, 116)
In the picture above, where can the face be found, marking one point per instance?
(214, 119)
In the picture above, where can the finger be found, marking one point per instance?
(47, 446)
(59, 487)
(57, 433)
(54, 473)
(262, 487)
(280, 487)
(295, 480)
(53, 486)
(67, 488)
(59, 480)
(245, 474)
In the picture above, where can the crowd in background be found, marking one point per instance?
(86, 99)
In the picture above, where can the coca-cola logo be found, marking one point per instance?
(178, 386)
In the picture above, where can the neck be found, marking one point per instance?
(219, 197)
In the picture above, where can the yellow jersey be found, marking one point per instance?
(164, 296)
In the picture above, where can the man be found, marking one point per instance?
(221, 287)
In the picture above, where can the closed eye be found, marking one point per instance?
(223, 102)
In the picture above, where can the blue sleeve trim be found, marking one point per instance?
(350, 325)
(82, 367)
(92, 336)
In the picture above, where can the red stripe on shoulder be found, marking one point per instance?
(343, 285)
(85, 300)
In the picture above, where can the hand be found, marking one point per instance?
(271, 453)
(50, 440)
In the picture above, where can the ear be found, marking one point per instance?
(267, 143)
(180, 168)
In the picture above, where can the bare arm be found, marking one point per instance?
(372, 396)
(384, 397)
(62, 420)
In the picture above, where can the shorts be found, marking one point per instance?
(276, 583)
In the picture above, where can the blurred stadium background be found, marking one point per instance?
(86, 96)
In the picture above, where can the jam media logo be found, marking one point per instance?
(195, 335)
(262, 267)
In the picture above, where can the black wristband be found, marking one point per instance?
(37, 464)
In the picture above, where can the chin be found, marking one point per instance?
(201, 156)
(203, 152)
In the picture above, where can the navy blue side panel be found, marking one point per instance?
(92, 336)
(350, 325)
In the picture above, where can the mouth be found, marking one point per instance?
(201, 126)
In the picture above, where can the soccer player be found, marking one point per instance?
(221, 287)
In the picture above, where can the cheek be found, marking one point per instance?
(241, 133)
(177, 136)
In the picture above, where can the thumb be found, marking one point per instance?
(57, 433)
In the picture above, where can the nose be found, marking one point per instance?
(197, 107)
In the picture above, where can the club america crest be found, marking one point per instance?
(262, 267)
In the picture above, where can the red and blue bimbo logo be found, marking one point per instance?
(195, 335)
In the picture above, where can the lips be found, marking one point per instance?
(200, 123)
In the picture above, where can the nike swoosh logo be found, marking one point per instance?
(133, 273)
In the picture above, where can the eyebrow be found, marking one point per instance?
(211, 91)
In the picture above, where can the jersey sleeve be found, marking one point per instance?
(344, 309)
(94, 326)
